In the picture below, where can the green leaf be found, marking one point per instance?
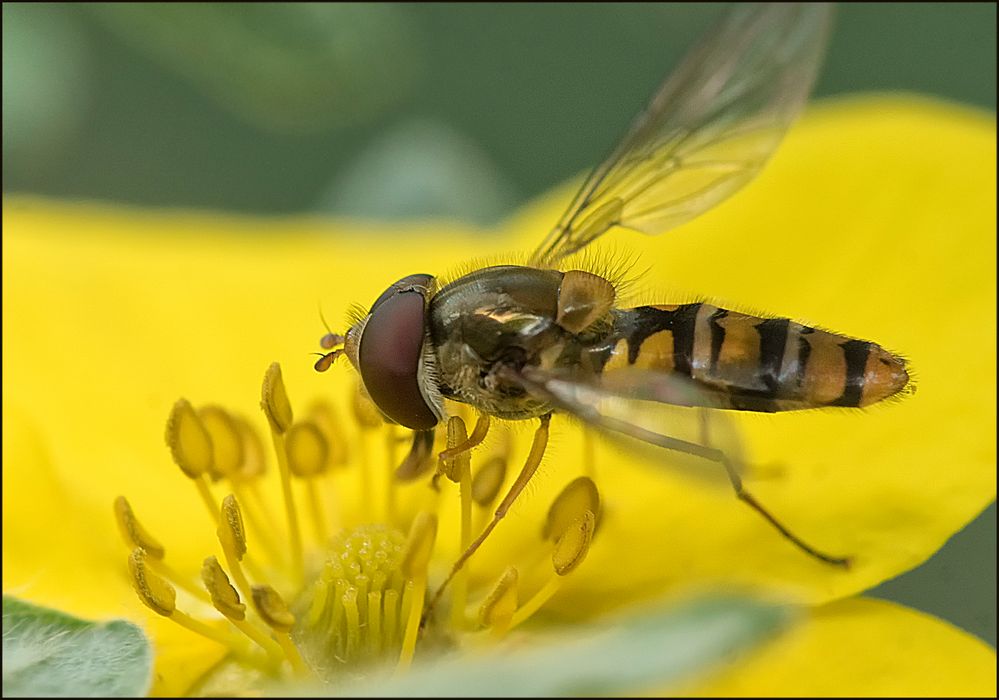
(644, 651)
(50, 653)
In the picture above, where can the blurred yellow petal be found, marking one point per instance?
(862, 648)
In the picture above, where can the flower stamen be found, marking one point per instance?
(488, 480)
(160, 597)
(191, 448)
(226, 600)
(577, 498)
(570, 550)
(415, 561)
(391, 450)
(458, 468)
(277, 408)
(308, 452)
(273, 610)
(538, 447)
(237, 457)
(368, 419)
(132, 531)
(232, 537)
(497, 610)
(479, 433)
(137, 537)
(367, 601)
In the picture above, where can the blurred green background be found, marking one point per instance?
(419, 109)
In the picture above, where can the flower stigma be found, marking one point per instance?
(338, 591)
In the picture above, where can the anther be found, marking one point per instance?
(189, 442)
(253, 464)
(324, 415)
(132, 531)
(155, 592)
(136, 537)
(577, 498)
(232, 537)
(463, 446)
(192, 450)
(365, 412)
(227, 443)
(499, 606)
(274, 611)
(238, 457)
(307, 448)
(416, 463)
(454, 461)
(274, 400)
(161, 598)
(570, 550)
(488, 481)
(224, 596)
(226, 600)
(308, 456)
(419, 546)
(230, 531)
(573, 544)
(272, 608)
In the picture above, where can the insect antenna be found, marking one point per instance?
(326, 361)
(331, 339)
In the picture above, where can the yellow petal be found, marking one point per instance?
(861, 648)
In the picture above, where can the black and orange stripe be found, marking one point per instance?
(751, 363)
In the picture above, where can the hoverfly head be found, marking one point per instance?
(390, 350)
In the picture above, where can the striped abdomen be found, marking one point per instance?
(754, 364)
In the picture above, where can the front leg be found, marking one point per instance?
(479, 433)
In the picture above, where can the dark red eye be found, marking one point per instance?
(389, 353)
(407, 282)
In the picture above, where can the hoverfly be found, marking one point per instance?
(522, 342)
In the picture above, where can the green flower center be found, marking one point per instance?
(352, 613)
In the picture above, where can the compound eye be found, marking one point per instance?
(390, 350)
(405, 283)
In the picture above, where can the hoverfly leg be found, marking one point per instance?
(758, 470)
(479, 433)
(719, 456)
(538, 447)
(743, 495)
(750, 500)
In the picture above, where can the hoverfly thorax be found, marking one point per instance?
(389, 348)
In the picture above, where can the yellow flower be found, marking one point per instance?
(876, 219)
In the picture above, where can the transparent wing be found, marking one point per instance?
(708, 130)
(644, 409)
